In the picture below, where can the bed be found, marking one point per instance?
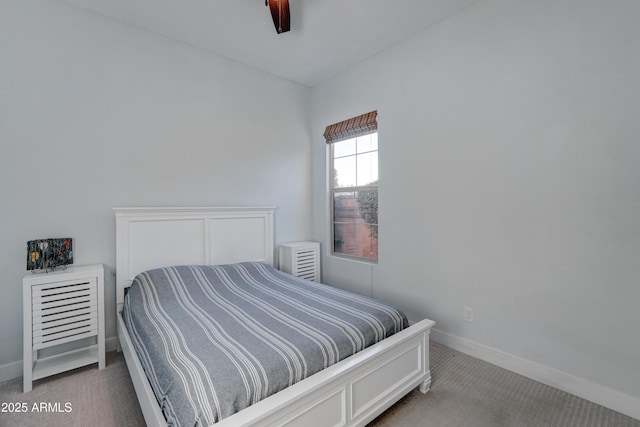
(352, 391)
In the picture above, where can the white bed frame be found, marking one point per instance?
(350, 393)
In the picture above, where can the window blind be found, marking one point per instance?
(352, 128)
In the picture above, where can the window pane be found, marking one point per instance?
(367, 143)
(344, 148)
(344, 207)
(355, 229)
(366, 241)
(366, 207)
(367, 168)
(344, 239)
(344, 170)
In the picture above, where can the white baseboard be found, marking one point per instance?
(13, 370)
(10, 371)
(577, 386)
(110, 343)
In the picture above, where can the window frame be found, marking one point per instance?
(351, 189)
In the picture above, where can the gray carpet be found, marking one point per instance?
(465, 392)
(98, 398)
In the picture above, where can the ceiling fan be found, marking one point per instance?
(280, 14)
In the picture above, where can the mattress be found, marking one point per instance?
(214, 340)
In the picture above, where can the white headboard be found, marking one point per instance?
(151, 237)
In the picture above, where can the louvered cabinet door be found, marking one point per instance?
(64, 312)
(61, 309)
(301, 259)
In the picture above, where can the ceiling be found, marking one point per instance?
(326, 37)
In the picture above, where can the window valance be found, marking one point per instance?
(352, 128)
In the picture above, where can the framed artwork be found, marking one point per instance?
(49, 254)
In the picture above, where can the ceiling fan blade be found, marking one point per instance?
(280, 14)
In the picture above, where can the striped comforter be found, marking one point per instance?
(214, 340)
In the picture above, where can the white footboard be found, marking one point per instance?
(353, 392)
(350, 393)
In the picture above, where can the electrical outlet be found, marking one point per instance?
(468, 314)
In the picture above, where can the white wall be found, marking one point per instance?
(95, 114)
(509, 181)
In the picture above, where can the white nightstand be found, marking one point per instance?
(61, 307)
(301, 259)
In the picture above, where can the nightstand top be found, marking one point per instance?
(68, 273)
(299, 244)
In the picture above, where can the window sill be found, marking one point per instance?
(366, 261)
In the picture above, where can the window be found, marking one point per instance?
(354, 190)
